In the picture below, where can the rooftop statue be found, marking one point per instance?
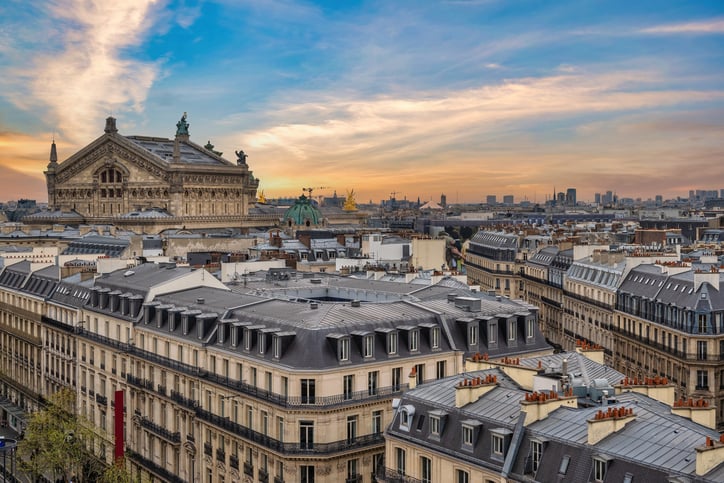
(182, 127)
(241, 157)
(349, 203)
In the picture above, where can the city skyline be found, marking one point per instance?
(466, 98)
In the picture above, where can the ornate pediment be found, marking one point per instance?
(111, 152)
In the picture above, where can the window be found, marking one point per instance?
(344, 349)
(392, 343)
(492, 333)
(529, 328)
(308, 396)
(348, 383)
(701, 350)
(376, 422)
(462, 476)
(414, 340)
(435, 337)
(419, 373)
(352, 466)
(277, 347)
(440, 369)
(369, 346)
(396, 378)
(467, 436)
(351, 428)
(563, 468)
(306, 434)
(407, 413)
(400, 461)
(536, 451)
(498, 445)
(435, 425)
(702, 380)
(599, 469)
(473, 335)
(425, 469)
(372, 381)
(307, 474)
(512, 330)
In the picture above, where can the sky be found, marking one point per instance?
(413, 97)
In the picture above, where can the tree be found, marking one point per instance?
(55, 442)
(116, 473)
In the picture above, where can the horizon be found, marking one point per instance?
(464, 97)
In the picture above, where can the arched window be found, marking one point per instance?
(112, 179)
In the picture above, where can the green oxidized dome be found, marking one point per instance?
(302, 212)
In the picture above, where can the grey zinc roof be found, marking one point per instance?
(655, 438)
(577, 364)
(190, 153)
(495, 239)
(139, 279)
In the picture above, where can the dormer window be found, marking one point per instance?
(435, 337)
(470, 429)
(492, 333)
(472, 334)
(600, 465)
(277, 346)
(414, 340)
(262, 343)
(247, 339)
(529, 328)
(407, 412)
(500, 440)
(344, 349)
(392, 343)
(512, 330)
(368, 346)
(437, 423)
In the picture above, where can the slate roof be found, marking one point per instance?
(110, 246)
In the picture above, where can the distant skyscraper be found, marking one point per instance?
(508, 199)
(659, 200)
(691, 195)
(443, 200)
(597, 198)
(492, 200)
(571, 196)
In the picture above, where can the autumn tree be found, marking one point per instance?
(55, 442)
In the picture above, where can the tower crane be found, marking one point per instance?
(309, 190)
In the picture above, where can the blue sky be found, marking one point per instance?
(463, 97)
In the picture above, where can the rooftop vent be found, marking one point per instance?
(355, 303)
(316, 281)
(200, 300)
(314, 305)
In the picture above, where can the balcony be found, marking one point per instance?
(278, 479)
(183, 400)
(103, 400)
(248, 469)
(234, 461)
(220, 455)
(392, 476)
(208, 450)
(152, 467)
(290, 448)
(171, 437)
(263, 476)
(354, 479)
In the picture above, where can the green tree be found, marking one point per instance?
(116, 473)
(54, 444)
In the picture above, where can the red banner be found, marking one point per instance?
(118, 430)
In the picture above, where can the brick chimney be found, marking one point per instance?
(710, 455)
(657, 388)
(593, 351)
(470, 389)
(608, 422)
(539, 405)
(697, 410)
(522, 375)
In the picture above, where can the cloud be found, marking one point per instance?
(469, 138)
(83, 75)
(715, 26)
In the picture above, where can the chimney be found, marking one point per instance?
(593, 352)
(470, 389)
(710, 455)
(608, 422)
(538, 405)
(412, 378)
(697, 410)
(657, 388)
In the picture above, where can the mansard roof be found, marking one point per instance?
(190, 153)
(495, 239)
